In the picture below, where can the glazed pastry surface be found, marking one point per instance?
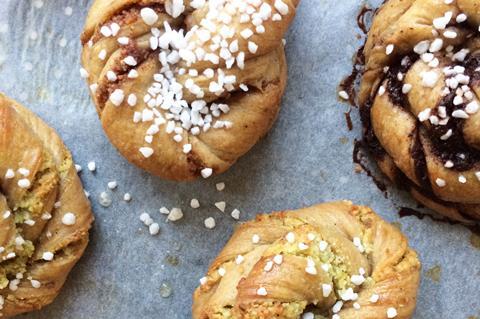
(183, 89)
(419, 102)
(333, 260)
(44, 214)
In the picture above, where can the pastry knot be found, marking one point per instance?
(44, 214)
(419, 101)
(334, 260)
(184, 88)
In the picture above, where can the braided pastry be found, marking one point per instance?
(184, 88)
(44, 214)
(419, 102)
(333, 260)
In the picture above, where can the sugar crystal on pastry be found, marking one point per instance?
(239, 259)
(337, 306)
(9, 174)
(24, 183)
(48, 256)
(69, 219)
(262, 291)
(46, 216)
(326, 290)
(391, 312)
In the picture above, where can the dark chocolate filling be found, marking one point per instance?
(394, 89)
(370, 140)
(349, 83)
(364, 18)
(394, 85)
(420, 162)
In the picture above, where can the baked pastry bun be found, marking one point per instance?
(184, 88)
(419, 101)
(44, 214)
(334, 260)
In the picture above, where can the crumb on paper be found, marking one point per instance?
(358, 168)
(434, 273)
(475, 240)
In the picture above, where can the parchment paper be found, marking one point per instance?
(306, 158)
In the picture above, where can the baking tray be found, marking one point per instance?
(305, 159)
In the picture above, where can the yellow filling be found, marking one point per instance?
(44, 184)
(36, 201)
(288, 310)
(10, 268)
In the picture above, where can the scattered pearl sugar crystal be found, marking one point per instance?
(154, 229)
(194, 203)
(112, 185)
(220, 186)
(92, 166)
(210, 223)
(175, 214)
(104, 199)
(235, 214)
(146, 219)
(48, 256)
(221, 206)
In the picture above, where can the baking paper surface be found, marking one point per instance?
(305, 159)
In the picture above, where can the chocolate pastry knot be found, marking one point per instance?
(184, 88)
(333, 260)
(419, 101)
(44, 214)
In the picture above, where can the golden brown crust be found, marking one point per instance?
(419, 97)
(252, 113)
(34, 225)
(391, 268)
